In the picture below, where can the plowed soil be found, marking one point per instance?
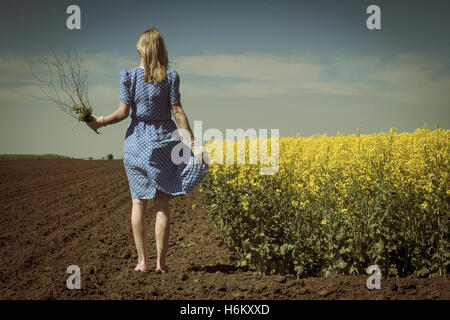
(57, 213)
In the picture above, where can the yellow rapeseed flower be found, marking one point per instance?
(346, 170)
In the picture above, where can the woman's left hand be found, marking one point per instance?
(95, 122)
(200, 153)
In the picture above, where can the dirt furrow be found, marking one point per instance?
(77, 212)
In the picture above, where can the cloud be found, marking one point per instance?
(20, 87)
(108, 64)
(408, 77)
(255, 75)
(413, 78)
(14, 68)
(257, 89)
(250, 67)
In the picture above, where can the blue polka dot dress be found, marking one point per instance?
(149, 140)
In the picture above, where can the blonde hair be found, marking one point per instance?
(152, 50)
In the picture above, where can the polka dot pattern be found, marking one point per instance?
(148, 142)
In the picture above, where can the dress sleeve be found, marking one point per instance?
(175, 89)
(125, 95)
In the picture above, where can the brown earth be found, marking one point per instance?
(56, 213)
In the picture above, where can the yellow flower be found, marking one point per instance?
(345, 169)
(193, 206)
(304, 204)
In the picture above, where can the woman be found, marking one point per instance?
(151, 91)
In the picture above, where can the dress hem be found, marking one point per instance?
(171, 194)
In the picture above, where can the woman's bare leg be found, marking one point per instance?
(139, 232)
(162, 228)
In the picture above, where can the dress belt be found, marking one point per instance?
(150, 120)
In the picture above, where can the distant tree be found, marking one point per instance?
(90, 158)
(110, 156)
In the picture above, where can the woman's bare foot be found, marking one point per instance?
(161, 270)
(141, 263)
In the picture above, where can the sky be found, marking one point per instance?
(303, 67)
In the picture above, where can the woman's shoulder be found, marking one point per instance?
(130, 71)
(172, 73)
(171, 70)
(129, 74)
(124, 72)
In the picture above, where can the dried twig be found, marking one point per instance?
(67, 86)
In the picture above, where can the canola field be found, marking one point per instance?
(336, 204)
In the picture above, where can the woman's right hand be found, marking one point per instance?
(95, 122)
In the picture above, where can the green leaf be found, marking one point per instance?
(379, 246)
(299, 270)
(341, 264)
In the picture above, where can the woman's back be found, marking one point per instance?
(149, 101)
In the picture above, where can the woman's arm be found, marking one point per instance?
(182, 120)
(120, 114)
